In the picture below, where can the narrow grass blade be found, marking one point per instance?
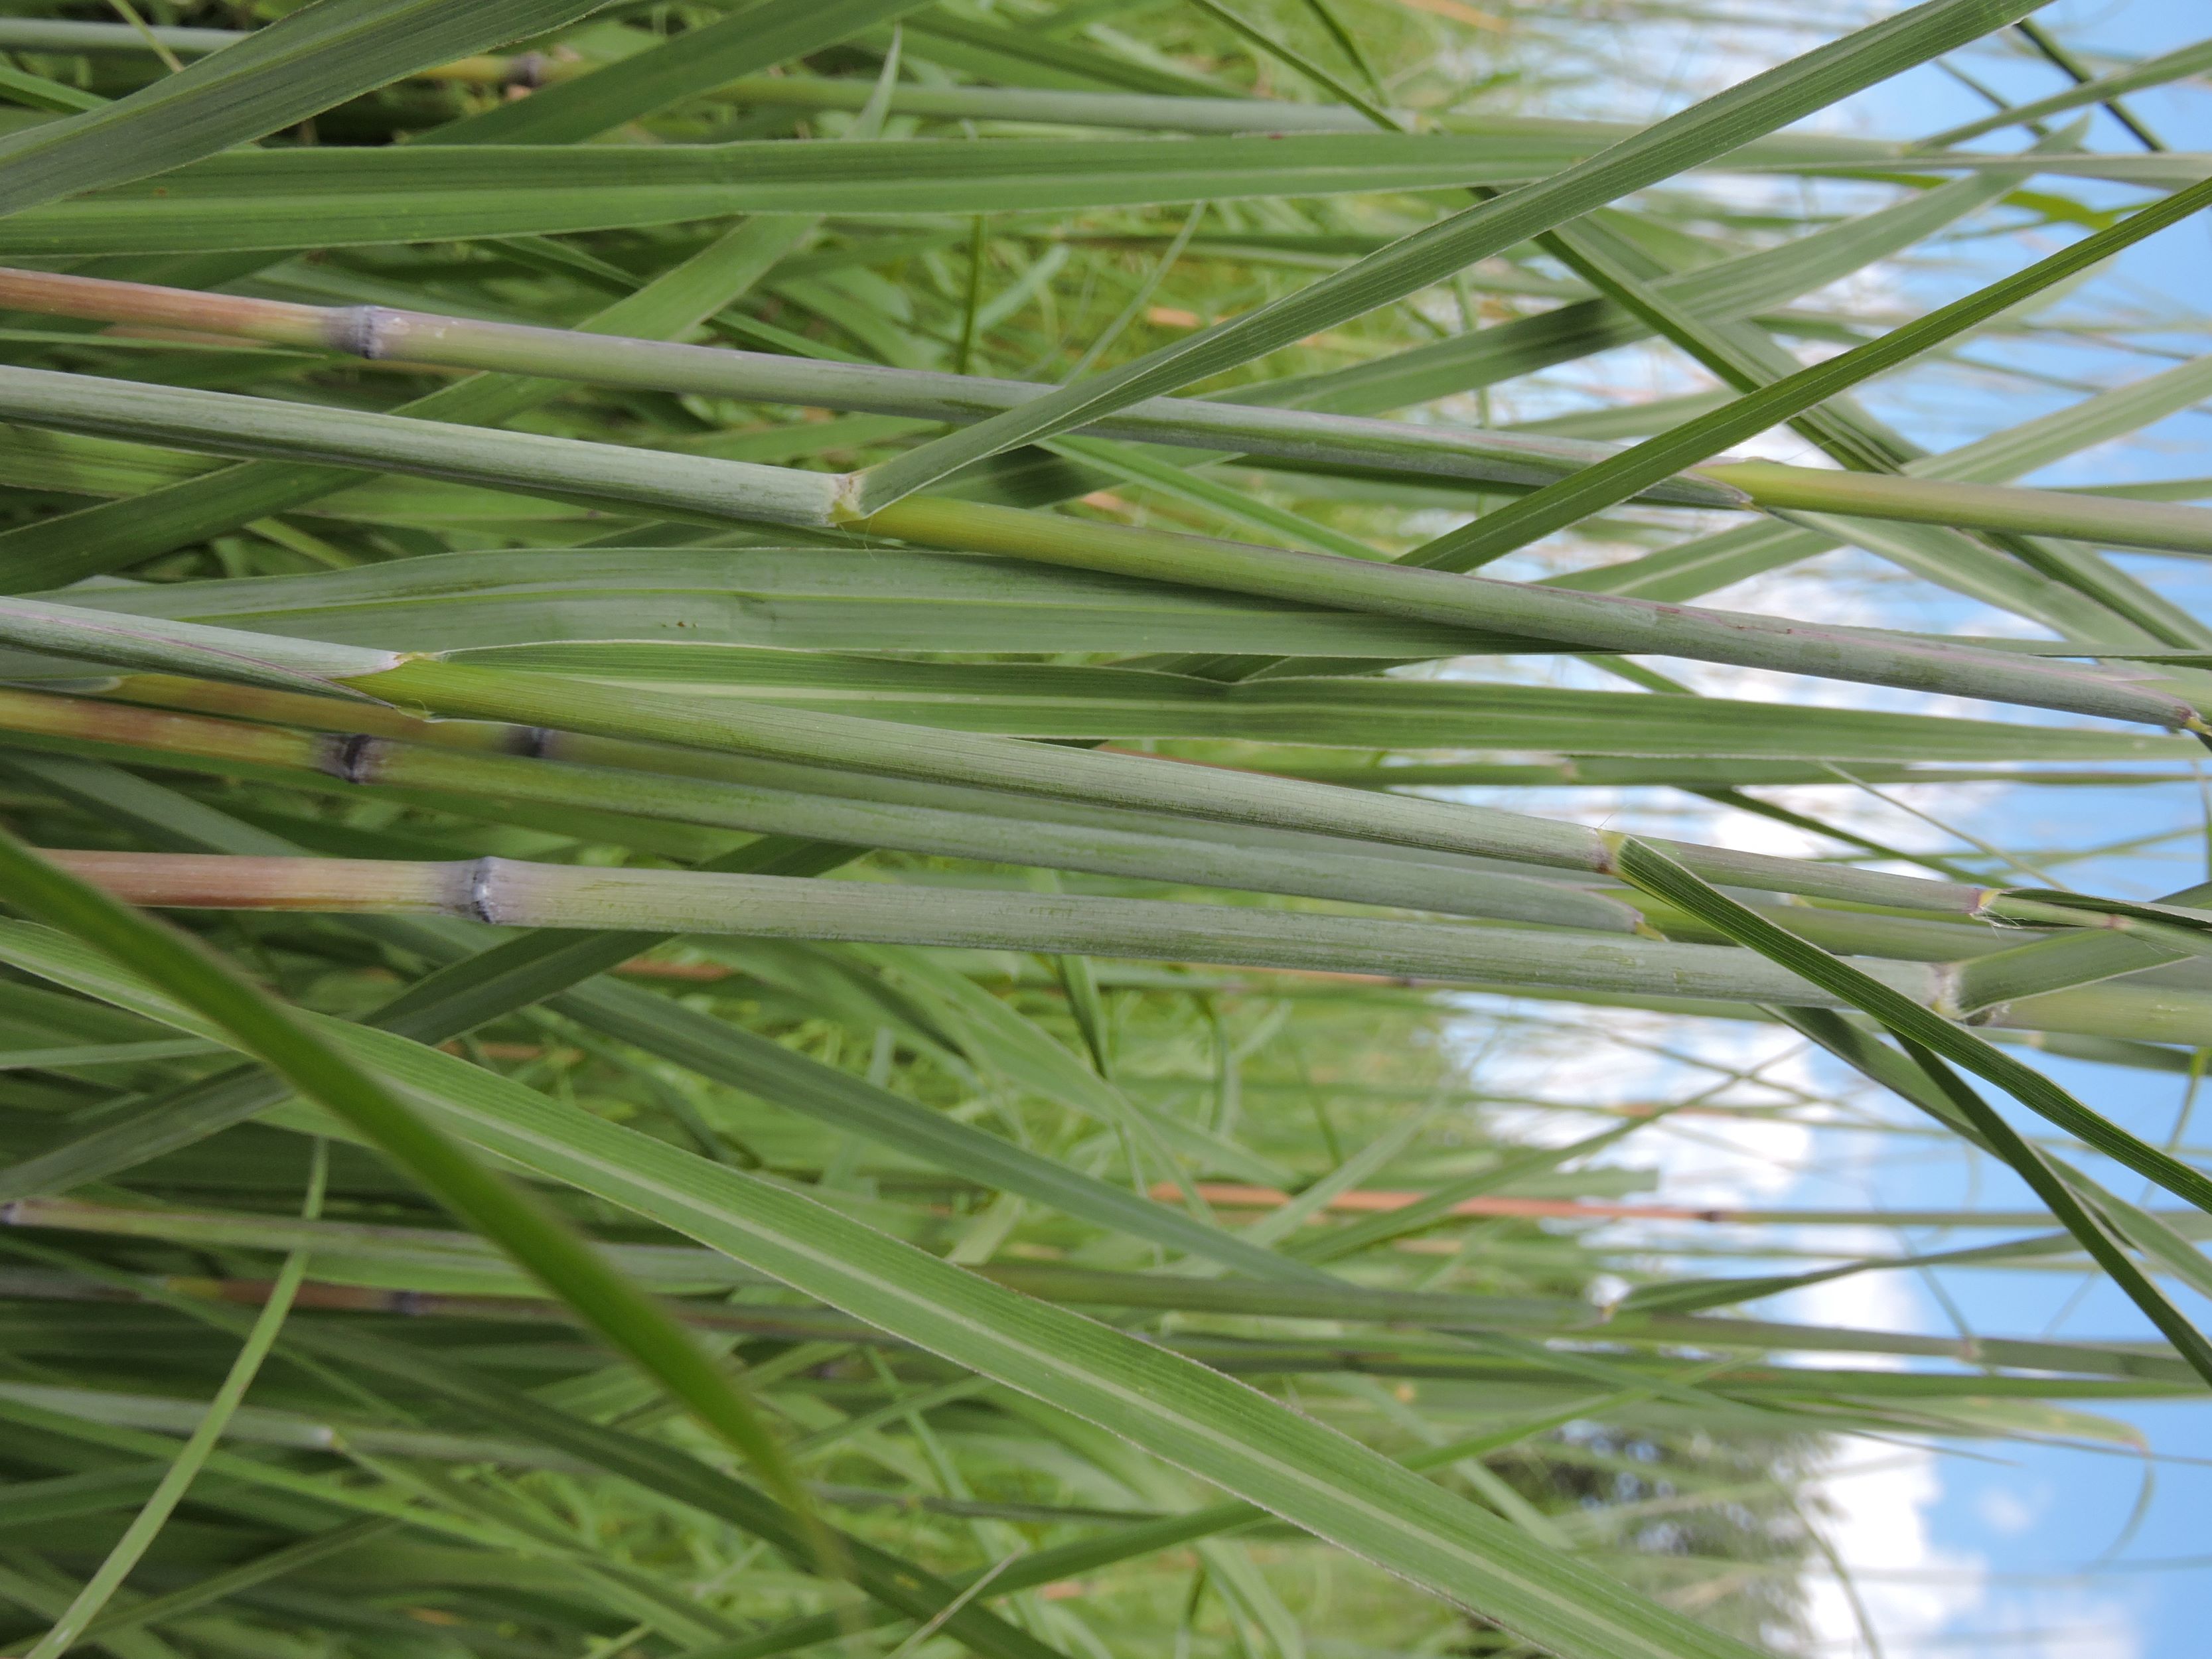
(114, 536)
(1180, 1411)
(699, 60)
(317, 57)
(1560, 505)
(1757, 105)
(559, 966)
(129, 1549)
(1653, 872)
(2176, 66)
(2033, 1167)
(630, 1320)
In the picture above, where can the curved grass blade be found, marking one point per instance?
(1173, 1407)
(630, 1320)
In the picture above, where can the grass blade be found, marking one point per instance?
(1654, 872)
(1183, 1412)
(1756, 107)
(626, 1317)
(1601, 486)
(177, 1478)
(317, 57)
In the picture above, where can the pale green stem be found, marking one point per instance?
(1143, 848)
(1052, 106)
(256, 429)
(382, 745)
(507, 893)
(422, 337)
(2150, 524)
(1299, 435)
(617, 778)
(61, 37)
(1590, 621)
(845, 742)
(1598, 771)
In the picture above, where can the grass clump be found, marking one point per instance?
(882, 976)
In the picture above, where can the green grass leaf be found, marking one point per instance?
(317, 57)
(243, 1015)
(1183, 1412)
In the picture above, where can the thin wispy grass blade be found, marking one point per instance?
(84, 1612)
(2168, 66)
(700, 60)
(1601, 486)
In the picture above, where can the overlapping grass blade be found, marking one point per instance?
(1757, 105)
(2182, 62)
(1601, 486)
(319, 56)
(699, 60)
(1653, 872)
(84, 1612)
(245, 1016)
(114, 536)
(1190, 1415)
(840, 736)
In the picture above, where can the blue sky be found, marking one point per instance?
(2064, 1574)
(2037, 1551)
(2038, 1515)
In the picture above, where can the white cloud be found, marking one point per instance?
(2010, 1512)
(1878, 1499)
(1909, 1587)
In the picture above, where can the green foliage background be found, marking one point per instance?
(435, 1457)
